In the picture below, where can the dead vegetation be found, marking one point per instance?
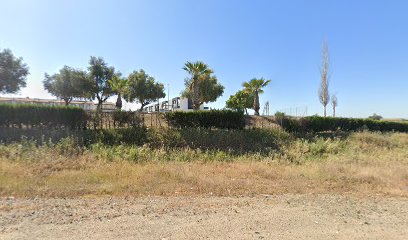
(362, 163)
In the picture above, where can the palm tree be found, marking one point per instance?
(255, 87)
(198, 71)
(118, 85)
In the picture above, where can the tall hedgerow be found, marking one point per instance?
(31, 115)
(221, 119)
(322, 124)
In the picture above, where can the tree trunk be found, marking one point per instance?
(334, 111)
(324, 111)
(99, 107)
(143, 104)
(196, 100)
(256, 103)
(67, 100)
(119, 102)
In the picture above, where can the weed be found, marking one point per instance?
(363, 163)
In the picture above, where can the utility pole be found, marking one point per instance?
(266, 109)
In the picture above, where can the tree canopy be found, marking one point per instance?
(254, 86)
(13, 72)
(375, 117)
(209, 90)
(241, 100)
(100, 73)
(323, 91)
(67, 84)
(202, 86)
(119, 86)
(143, 89)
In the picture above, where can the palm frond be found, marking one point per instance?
(266, 83)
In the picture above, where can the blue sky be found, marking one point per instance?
(278, 40)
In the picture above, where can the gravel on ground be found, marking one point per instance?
(287, 216)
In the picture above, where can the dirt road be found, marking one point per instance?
(206, 217)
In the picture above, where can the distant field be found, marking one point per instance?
(403, 120)
(362, 163)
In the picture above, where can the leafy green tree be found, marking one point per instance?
(202, 87)
(13, 72)
(198, 72)
(209, 90)
(100, 73)
(375, 117)
(67, 84)
(118, 86)
(240, 101)
(143, 89)
(255, 87)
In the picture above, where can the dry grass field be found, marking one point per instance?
(362, 163)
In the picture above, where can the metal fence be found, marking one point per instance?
(109, 120)
(115, 120)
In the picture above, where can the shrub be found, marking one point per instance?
(222, 119)
(323, 124)
(375, 117)
(128, 136)
(233, 141)
(280, 116)
(129, 118)
(286, 122)
(29, 115)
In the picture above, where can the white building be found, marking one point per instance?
(177, 104)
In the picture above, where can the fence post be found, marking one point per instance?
(109, 121)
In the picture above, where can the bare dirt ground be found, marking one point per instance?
(303, 216)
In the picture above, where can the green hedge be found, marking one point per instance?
(127, 118)
(321, 124)
(30, 115)
(222, 119)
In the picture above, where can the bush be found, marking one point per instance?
(222, 119)
(128, 136)
(127, 118)
(375, 117)
(323, 124)
(280, 116)
(29, 115)
(288, 123)
(233, 141)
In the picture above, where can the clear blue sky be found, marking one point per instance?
(279, 40)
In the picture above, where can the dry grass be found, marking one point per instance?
(364, 163)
